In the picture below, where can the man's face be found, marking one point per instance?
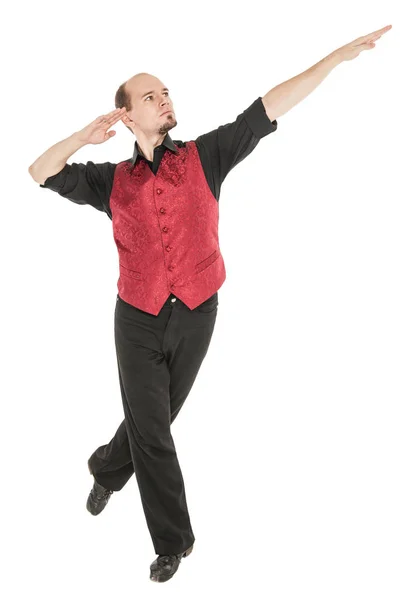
(150, 99)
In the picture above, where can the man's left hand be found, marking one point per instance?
(366, 42)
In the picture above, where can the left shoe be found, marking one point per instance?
(98, 497)
(166, 565)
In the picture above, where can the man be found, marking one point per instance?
(163, 203)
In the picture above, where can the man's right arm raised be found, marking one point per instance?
(82, 183)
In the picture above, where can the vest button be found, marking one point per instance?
(162, 210)
(158, 190)
(168, 248)
(165, 229)
(171, 267)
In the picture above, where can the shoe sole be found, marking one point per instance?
(187, 552)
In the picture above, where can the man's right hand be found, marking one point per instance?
(97, 131)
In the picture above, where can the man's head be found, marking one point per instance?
(145, 98)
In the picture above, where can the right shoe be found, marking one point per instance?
(166, 565)
(98, 497)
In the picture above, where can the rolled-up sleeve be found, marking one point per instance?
(223, 148)
(258, 120)
(89, 183)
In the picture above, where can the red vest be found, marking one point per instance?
(165, 227)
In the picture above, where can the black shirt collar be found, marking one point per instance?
(167, 142)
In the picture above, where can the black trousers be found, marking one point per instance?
(158, 360)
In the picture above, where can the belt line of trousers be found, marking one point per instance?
(158, 360)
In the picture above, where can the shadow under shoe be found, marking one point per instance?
(98, 498)
(166, 565)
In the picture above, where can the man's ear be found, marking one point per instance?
(126, 118)
(126, 121)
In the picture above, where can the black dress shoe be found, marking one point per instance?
(166, 565)
(98, 498)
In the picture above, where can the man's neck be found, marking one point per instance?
(147, 145)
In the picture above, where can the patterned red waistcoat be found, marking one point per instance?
(165, 227)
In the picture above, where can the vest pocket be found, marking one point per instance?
(207, 261)
(129, 272)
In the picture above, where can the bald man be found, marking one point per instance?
(163, 203)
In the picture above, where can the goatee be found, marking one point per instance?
(167, 125)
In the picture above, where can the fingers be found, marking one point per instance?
(386, 28)
(375, 35)
(117, 111)
(111, 117)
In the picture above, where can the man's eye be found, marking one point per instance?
(151, 96)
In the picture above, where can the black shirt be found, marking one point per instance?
(219, 151)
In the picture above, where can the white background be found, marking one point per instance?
(299, 440)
